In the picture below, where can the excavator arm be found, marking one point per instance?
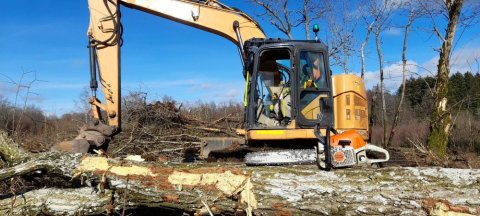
(105, 39)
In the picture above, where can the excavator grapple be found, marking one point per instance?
(95, 136)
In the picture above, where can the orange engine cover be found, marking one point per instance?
(352, 136)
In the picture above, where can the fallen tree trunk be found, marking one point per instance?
(112, 185)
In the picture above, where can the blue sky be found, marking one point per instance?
(161, 57)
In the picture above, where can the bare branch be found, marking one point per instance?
(275, 15)
(369, 30)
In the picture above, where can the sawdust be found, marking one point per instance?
(91, 164)
(227, 182)
(444, 208)
(170, 198)
(281, 209)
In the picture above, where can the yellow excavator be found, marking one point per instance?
(291, 99)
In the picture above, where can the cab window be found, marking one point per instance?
(273, 88)
(313, 74)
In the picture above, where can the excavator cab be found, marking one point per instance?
(288, 92)
(289, 89)
(290, 104)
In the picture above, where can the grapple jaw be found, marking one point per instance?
(218, 144)
(92, 137)
(73, 146)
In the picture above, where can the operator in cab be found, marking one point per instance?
(312, 80)
(313, 70)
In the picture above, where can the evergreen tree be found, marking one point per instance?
(457, 89)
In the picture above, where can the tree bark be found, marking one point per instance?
(382, 88)
(372, 112)
(230, 188)
(404, 77)
(306, 19)
(111, 185)
(441, 120)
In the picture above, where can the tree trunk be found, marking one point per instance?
(306, 19)
(440, 120)
(372, 112)
(362, 48)
(114, 185)
(345, 59)
(404, 77)
(382, 88)
(264, 190)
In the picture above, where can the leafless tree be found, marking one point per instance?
(285, 17)
(312, 10)
(279, 15)
(5, 108)
(382, 10)
(362, 48)
(82, 104)
(372, 114)
(412, 14)
(337, 16)
(341, 24)
(441, 120)
(21, 87)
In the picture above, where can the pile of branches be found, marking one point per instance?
(166, 131)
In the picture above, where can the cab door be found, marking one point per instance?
(315, 101)
(271, 96)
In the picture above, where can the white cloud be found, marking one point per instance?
(429, 68)
(392, 75)
(204, 86)
(7, 88)
(393, 31)
(34, 98)
(169, 83)
(209, 90)
(463, 60)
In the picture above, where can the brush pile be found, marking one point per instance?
(167, 131)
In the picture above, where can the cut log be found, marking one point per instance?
(111, 185)
(228, 188)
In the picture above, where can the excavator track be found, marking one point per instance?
(281, 157)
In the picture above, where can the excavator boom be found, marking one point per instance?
(211, 16)
(105, 39)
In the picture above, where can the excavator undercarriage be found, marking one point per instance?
(341, 150)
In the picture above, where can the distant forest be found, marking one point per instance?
(463, 103)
